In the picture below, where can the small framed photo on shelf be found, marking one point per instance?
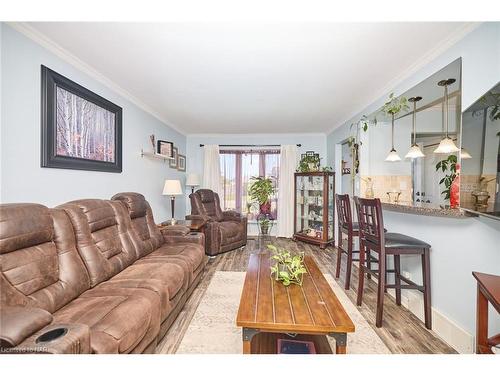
(181, 163)
(164, 148)
(310, 153)
(173, 162)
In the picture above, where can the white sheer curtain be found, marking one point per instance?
(288, 163)
(211, 168)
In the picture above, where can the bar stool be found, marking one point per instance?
(351, 229)
(373, 238)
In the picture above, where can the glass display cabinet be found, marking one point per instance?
(315, 208)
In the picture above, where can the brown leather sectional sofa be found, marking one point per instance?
(97, 274)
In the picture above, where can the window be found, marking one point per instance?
(237, 168)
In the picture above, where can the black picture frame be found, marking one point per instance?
(181, 163)
(159, 145)
(50, 80)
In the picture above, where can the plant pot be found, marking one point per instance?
(264, 228)
(265, 208)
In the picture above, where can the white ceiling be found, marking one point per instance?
(228, 78)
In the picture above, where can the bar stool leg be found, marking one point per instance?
(361, 275)
(349, 264)
(368, 264)
(380, 291)
(426, 276)
(339, 254)
(397, 280)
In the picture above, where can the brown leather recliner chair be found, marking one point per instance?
(224, 230)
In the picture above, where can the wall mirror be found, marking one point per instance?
(480, 173)
(410, 179)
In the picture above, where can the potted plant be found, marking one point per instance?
(288, 268)
(264, 224)
(309, 163)
(261, 190)
(448, 164)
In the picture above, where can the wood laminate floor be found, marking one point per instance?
(402, 331)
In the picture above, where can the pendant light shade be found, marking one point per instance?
(464, 154)
(393, 154)
(446, 145)
(415, 151)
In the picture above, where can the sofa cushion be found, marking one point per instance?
(146, 234)
(189, 255)
(39, 262)
(103, 244)
(119, 319)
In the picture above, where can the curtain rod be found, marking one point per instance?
(298, 145)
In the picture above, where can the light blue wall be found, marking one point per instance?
(22, 178)
(458, 246)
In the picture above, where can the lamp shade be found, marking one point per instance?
(464, 154)
(193, 179)
(393, 156)
(446, 146)
(415, 152)
(172, 187)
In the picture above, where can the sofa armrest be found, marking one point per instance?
(204, 218)
(19, 322)
(193, 237)
(233, 216)
(71, 338)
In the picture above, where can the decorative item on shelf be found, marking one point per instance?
(193, 180)
(80, 129)
(481, 196)
(174, 162)
(464, 154)
(393, 196)
(172, 188)
(415, 151)
(446, 145)
(261, 190)
(164, 148)
(345, 169)
(450, 163)
(369, 188)
(392, 108)
(309, 162)
(181, 163)
(288, 268)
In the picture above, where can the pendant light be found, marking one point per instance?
(446, 145)
(415, 151)
(464, 154)
(393, 155)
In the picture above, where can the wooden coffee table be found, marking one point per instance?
(269, 310)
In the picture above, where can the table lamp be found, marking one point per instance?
(193, 180)
(172, 188)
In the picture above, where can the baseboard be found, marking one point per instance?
(447, 330)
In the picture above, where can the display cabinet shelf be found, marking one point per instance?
(319, 188)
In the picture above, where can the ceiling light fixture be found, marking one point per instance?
(446, 145)
(415, 151)
(464, 154)
(393, 154)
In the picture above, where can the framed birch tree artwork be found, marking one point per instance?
(80, 129)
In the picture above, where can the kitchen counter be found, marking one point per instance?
(427, 209)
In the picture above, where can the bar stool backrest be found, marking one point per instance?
(371, 222)
(344, 213)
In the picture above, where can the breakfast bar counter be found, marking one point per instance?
(427, 209)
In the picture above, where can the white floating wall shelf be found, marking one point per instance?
(154, 155)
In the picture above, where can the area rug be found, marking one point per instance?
(213, 327)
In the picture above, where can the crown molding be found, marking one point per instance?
(411, 70)
(71, 59)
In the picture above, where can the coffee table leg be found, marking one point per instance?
(340, 342)
(248, 334)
